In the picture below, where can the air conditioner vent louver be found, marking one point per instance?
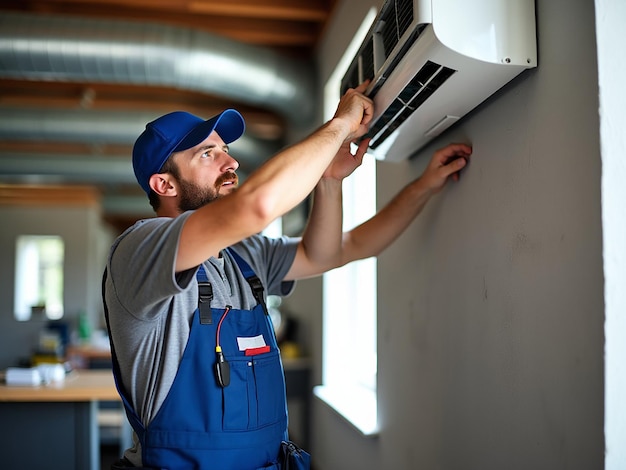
(395, 19)
(367, 60)
(425, 82)
(351, 77)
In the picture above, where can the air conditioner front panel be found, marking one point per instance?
(433, 61)
(469, 84)
(494, 31)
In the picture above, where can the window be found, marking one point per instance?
(39, 277)
(349, 336)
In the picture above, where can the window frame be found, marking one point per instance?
(349, 360)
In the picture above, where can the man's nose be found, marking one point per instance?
(229, 162)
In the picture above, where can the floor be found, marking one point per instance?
(108, 455)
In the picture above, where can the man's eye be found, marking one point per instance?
(206, 153)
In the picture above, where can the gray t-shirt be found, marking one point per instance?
(151, 306)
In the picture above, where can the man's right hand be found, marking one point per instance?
(356, 110)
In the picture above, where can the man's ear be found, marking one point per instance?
(162, 184)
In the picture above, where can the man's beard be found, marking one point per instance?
(193, 196)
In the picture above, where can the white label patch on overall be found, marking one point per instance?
(252, 342)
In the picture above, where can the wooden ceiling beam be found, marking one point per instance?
(291, 10)
(264, 32)
(49, 195)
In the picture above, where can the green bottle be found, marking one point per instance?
(84, 329)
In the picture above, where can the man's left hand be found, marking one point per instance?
(345, 162)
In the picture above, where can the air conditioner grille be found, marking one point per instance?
(425, 82)
(396, 18)
(417, 83)
(367, 60)
(352, 76)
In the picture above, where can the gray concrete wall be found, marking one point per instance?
(491, 306)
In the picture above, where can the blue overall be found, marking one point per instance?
(203, 425)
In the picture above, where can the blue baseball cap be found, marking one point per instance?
(175, 132)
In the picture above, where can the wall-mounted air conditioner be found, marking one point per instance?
(433, 61)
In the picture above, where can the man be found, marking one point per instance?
(195, 357)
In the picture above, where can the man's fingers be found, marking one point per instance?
(363, 86)
(453, 167)
(368, 112)
(453, 152)
(362, 148)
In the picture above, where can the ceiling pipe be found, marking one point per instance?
(78, 168)
(100, 170)
(105, 127)
(57, 48)
(28, 168)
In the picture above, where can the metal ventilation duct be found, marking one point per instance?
(104, 127)
(55, 48)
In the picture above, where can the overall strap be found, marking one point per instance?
(251, 277)
(205, 295)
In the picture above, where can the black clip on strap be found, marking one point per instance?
(205, 295)
(253, 279)
(257, 291)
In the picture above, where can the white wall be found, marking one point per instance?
(491, 306)
(86, 244)
(610, 18)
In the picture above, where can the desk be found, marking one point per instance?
(88, 357)
(54, 426)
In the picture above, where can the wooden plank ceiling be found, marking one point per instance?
(291, 27)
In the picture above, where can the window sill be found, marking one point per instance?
(356, 405)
